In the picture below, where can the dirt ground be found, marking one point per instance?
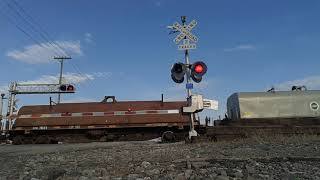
(258, 158)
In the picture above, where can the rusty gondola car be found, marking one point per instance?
(102, 121)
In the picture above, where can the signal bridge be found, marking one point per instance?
(17, 88)
(41, 88)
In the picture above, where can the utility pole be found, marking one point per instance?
(61, 59)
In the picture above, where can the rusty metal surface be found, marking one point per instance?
(125, 120)
(101, 106)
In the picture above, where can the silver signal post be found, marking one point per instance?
(192, 131)
(187, 38)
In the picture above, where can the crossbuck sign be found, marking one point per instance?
(186, 35)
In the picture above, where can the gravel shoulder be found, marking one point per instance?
(295, 157)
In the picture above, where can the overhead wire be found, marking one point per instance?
(33, 24)
(37, 33)
(12, 21)
(48, 37)
(42, 30)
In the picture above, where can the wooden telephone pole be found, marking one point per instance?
(61, 59)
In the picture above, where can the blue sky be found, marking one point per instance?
(122, 48)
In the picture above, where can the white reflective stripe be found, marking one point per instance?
(76, 114)
(25, 116)
(56, 115)
(140, 112)
(116, 113)
(98, 113)
(45, 115)
(119, 113)
(173, 111)
(162, 112)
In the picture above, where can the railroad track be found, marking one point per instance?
(98, 135)
(206, 134)
(224, 133)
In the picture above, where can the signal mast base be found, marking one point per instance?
(192, 133)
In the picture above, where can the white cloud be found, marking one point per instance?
(311, 82)
(4, 89)
(44, 52)
(242, 47)
(72, 78)
(102, 74)
(88, 37)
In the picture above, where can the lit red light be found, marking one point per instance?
(70, 88)
(198, 68)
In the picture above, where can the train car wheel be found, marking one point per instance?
(17, 140)
(168, 136)
(42, 140)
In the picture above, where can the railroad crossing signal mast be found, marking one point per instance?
(180, 70)
(18, 88)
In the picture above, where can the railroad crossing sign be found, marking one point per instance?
(187, 45)
(185, 31)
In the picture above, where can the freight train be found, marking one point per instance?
(104, 121)
(112, 120)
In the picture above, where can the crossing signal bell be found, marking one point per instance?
(198, 69)
(177, 72)
(67, 88)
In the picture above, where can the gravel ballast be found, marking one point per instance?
(295, 157)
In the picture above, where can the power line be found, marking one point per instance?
(47, 35)
(35, 27)
(42, 30)
(22, 30)
(31, 26)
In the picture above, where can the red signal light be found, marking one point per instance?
(66, 88)
(198, 68)
(70, 88)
